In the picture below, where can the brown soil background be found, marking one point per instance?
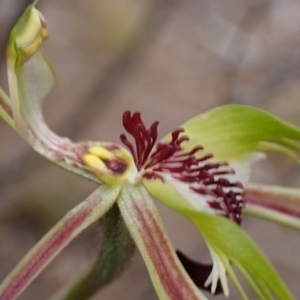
(171, 60)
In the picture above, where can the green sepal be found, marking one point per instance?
(273, 203)
(71, 225)
(227, 239)
(143, 222)
(234, 132)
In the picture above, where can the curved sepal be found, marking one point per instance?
(229, 244)
(234, 132)
(31, 77)
(169, 278)
(274, 203)
(70, 226)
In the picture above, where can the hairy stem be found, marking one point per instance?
(116, 251)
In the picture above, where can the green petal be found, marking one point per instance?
(70, 226)
(142, 219)
(274, 203)
(233, 132)
(226, 238)
(31, 83)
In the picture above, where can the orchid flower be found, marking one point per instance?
(199, 170)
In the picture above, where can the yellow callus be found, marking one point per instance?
(110, 166)
(95, 162)
(101, 152)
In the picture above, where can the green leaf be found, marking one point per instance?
(226, 238)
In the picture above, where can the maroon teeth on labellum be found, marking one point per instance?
(204, 177)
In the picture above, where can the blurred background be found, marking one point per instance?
(171, 60)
